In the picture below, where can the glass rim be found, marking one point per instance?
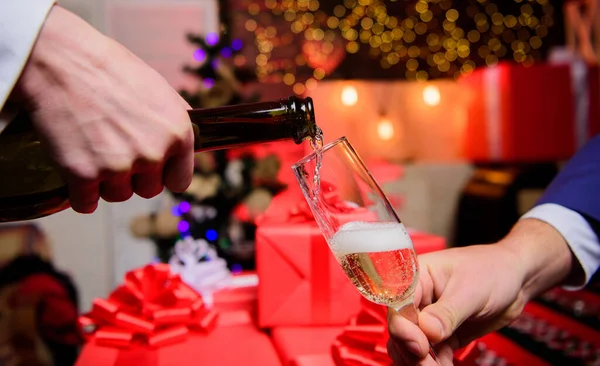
(308, 158)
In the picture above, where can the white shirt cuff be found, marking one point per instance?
(20, 24)
(578, 234)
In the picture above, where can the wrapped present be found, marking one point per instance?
(313, 360)
(236, 317)
(298, 345)
(241, 293)
(363, 341)
(224, 346)
(531, 114)
(152, 308)
(301, 282)
(155, 319)
(200, 267)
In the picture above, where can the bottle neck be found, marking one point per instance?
(244, 124)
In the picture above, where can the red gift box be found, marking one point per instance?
(313, 360)
(242, 294)
(301, 282)
(529, 114)
(224, 346)
(299, 345)
(155, 319)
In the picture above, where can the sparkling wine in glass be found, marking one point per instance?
(360, 226)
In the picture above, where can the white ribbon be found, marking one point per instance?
(205, 277)
(580, 88)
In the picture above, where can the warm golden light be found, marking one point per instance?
(385, 129)
(349, 96)
(431, 95)
(367, 25)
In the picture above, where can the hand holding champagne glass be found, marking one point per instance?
(376, 253)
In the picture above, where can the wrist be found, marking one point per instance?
(63, 39)
(543, 257)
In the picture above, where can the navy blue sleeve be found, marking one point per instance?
(577, 186)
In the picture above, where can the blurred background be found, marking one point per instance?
(463, 110)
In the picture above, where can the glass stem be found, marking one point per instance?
(411, 312)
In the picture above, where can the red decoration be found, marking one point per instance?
(530, 114)
(330, 198)
(300, 345)
(230, 343)
(153, 307)
(301, 282)
(364, 340)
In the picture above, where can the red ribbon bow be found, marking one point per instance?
(364, 340)
(152, 307)
(329, 197)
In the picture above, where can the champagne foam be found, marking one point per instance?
(370, 237)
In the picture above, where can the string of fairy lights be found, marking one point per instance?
(427, 38)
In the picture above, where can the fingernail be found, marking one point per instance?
(438, 324)
(434, 323)
(414, 348)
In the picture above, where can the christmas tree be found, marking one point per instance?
(220, 67)
(229, 188)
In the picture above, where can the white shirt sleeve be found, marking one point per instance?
(20, 24)
(580, 237)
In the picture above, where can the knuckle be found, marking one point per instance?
(149, 157)
(184, 136)
(117, 165)
(514, 310)
(173, 134)
(448, 318)
(81, 170)
(181, 131)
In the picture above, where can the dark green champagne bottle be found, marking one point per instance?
(31, 186)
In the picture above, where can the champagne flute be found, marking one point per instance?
(370, 243)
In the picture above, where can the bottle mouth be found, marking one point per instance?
(310, 117)
(306, 109)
